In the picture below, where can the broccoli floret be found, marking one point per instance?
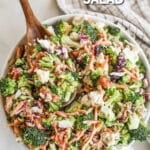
(80, 121)
(54, 106)
(112, 54)
(125, 136)
(55, 39)
(62, 27)
(47, 61)
(69, 62)
(130, 95)
(7, 86)
(33, 136)
(36, 81)
(76, 28)
(74, 107)
(66, 40)
(23, 82)
(89, 30)
(19, 62)
(95, 74)
(114, 31)
(47, 122)
(129, 65)
(114, 95)
(38, 47)
(141, 133)
(141, 66)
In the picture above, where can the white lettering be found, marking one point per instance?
(94, 1)
(104, 2)
(87, 1)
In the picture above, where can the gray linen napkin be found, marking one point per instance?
(132, 15)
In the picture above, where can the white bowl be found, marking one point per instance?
(7, 132)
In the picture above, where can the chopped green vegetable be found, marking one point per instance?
(112, 54)
(76, 28)
(55, 39)
(130, 95)
(141, 133)
(19, 62)
(53, 106)
(141, 66)
(7, 86)
(114, 31)
(34, 136)
(38, 47)
(62, 27)
(80, 121)
(66, 40)
(89, 30)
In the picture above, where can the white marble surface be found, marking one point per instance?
(12, 28)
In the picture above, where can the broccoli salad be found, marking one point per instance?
(93, 60)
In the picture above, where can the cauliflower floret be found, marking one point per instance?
(43, 75)
(93, 98)
(110, 139)
(65, 124)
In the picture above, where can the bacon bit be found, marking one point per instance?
(14, 73)
(120, 86)
(104, 82)
(74, 54)
(133, 76)
(78, 136)
(87, 88)
(19, 108)
(40, 55)
(103, 43)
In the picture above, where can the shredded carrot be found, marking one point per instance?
(120, 86)
(91, 62)
(133, 76)
(65, 115)
(78, 136)
(94, 130)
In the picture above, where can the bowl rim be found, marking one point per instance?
(53, 20)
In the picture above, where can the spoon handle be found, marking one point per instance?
(31, 20)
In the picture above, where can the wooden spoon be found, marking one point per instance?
(35, 29)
